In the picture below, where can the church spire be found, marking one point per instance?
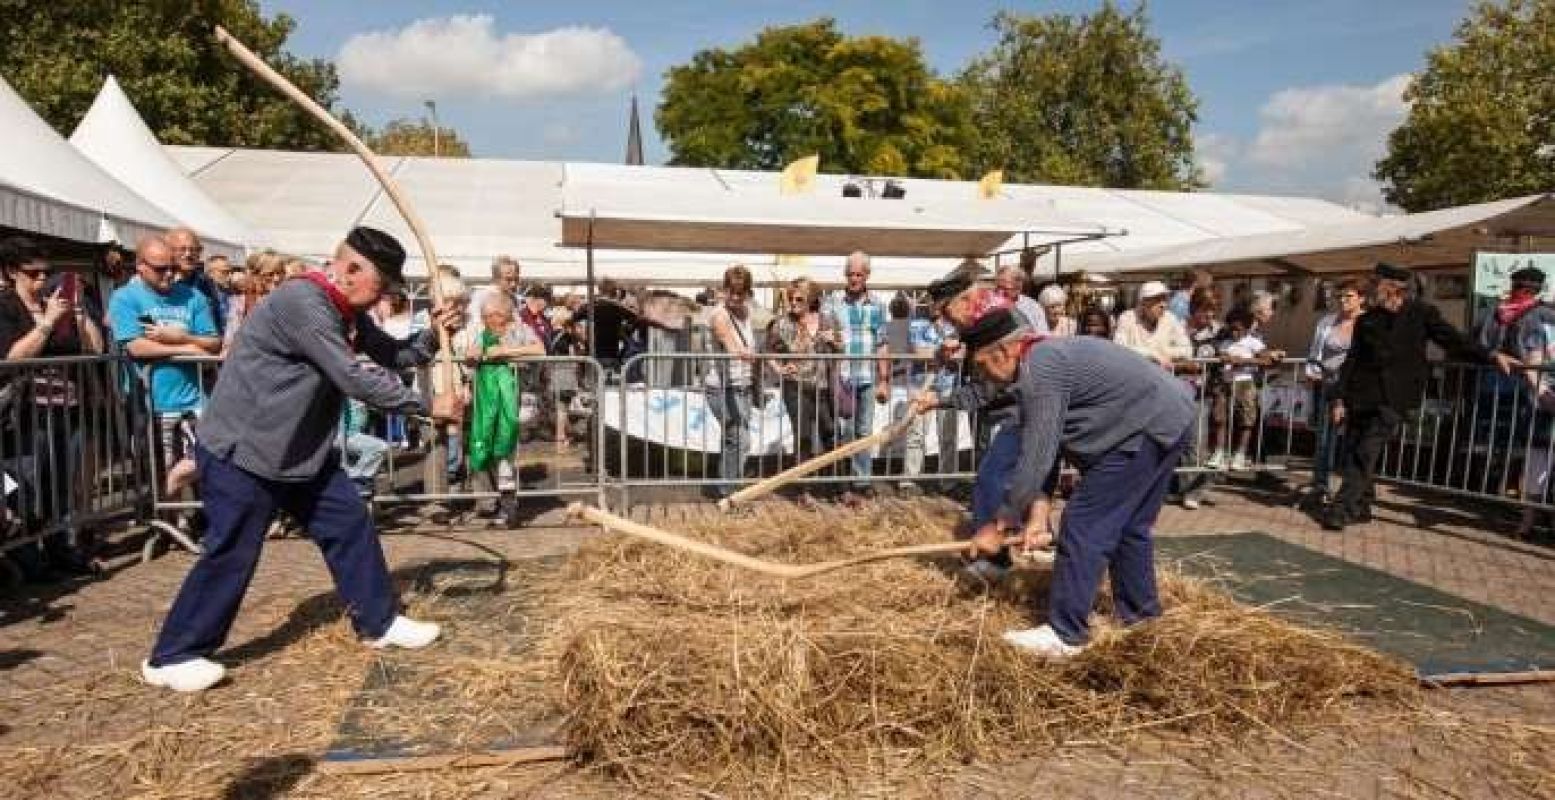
(634, 138)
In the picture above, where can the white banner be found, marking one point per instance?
(681, 419)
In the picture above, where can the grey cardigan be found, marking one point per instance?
(1087, 396)
(277, 402)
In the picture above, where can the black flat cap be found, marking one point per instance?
(1531, 277)
(383, 250)
(991, 328)
(1387, 271)
(948, 286)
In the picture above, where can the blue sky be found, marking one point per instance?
(1295, 97)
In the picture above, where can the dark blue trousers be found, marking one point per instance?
(994, 473)
(238, 509)
(1107, 526)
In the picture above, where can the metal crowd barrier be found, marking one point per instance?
(68, 453)
(554, 395)
(665, 421)
(80, 444)
(1481, 434)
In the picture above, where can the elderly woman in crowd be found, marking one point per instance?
(497, 390)
(1151, 332)
(1330, 345)
(1055, 309)
(729, 383)
(800, 331)
(44, 403)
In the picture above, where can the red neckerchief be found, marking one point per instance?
(336, 299)
(1516, 305)
(985, 300)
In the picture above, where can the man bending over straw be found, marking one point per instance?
(1124, 421)
(266, 443)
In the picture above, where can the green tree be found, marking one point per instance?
(189, 90)
(414, 137)
(1481, 122)
(1084, 100)
(865, 104)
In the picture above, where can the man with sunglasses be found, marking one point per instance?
(154, 318)
(267, 443)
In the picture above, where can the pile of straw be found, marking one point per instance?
(676, 667)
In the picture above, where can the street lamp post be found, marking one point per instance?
(437, 144)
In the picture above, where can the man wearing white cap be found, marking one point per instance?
(1151, 332)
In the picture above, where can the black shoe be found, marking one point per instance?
(1335, 520)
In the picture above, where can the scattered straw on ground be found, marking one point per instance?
(684, 677)
(676, 666)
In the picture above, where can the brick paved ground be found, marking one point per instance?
(53, 635)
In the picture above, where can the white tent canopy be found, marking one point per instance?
(1435, 238)
(47, 187)
(303, 203)
(113, 136)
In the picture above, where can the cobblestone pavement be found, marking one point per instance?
(51, 635)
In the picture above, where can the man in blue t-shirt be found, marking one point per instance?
(153, 317)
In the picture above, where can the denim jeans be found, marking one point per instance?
(1328, 436)
(731, 406)
(863, 424)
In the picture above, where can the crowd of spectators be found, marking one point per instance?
(831, 358)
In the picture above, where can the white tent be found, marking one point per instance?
(1447, 237)
(303, 203)
(48, 187)
(113, 136)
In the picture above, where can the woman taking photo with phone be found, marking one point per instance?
(43, 411)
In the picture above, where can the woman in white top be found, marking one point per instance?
(1330, 346)
(728, 382)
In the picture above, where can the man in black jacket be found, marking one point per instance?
(1382, 380)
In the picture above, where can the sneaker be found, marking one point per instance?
(408, 633)
(1043, 642)
(1190, 503)
(1216, 461)
(1240, 463)
(195, 675)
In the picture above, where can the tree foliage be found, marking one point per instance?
(414, 137)
(1481, 122)
(865, 104)
(187, 88)
(1082, 100)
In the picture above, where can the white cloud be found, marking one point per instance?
(1314, 124)
(1214, 153)
(466, 56)
(558, 133)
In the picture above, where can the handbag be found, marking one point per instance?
(844, 399)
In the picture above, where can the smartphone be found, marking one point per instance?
(145, 319)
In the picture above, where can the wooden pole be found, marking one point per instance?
(257, 65)
(724, 555)
(485, 758)
(821, 461)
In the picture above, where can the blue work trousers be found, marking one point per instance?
(238, 508)
(1107, 527)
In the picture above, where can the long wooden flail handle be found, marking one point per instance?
(776, 570)
(772, 484)
(257, 65)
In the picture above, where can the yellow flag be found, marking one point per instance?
(988, 187)
(797, 178)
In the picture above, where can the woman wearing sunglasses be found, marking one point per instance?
(43, 412)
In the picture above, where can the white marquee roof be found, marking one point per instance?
(303, 203)
(113, 136)
(1433, 238)
(48, 187)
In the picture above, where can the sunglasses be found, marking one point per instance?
(35, 274)
(160, 269)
